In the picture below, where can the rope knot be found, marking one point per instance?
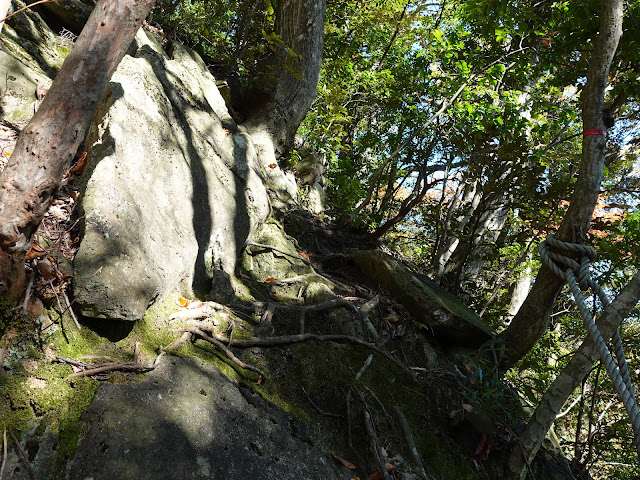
(559, 261)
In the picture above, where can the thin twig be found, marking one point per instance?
(24, 455)
(73, 315)
(73, 335)
(4, 452)
(409, 439)
(349, 437)
(336, 302)
(27, 294)
(384, 410)
(376, 446)
(24, 8)
(327, 414)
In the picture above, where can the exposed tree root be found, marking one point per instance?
(87, 370)
(23, 454)
(303, 337)
(216, 342)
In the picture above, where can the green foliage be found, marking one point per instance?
(480, 100)
(236, 36)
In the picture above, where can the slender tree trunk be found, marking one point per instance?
(532, 319)
(48, 144)
(570, 378)
(470, 201)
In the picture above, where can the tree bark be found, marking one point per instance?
(48, 144)
(532, 320)
(293, 85)
(571, 377)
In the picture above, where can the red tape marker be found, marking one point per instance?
(588, 133)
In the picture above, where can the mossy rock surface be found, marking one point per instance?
(449, 318)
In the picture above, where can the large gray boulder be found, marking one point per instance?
(186, 420)
(173, 188)
(445, 314)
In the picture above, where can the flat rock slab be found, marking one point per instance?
(186, 420)
(449, 318)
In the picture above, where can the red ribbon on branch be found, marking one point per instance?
(588, 133)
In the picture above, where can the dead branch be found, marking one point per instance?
(185, 337)
(411, 444)
(364, 315)
(194, 314)
(73, 315)
(23, 454)
(62, 323)
(378, 453)
(225, 351)
(297, 278)
(88, 370)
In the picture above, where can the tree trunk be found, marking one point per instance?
(571, 376)
(470, 202)
(293, 86)
(532, 319)
(48, 144)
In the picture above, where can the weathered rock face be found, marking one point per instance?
(30, 55)
(449, 318)
(173, 187)
(187, 420)
(310, 172)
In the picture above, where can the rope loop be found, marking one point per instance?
(576, 274)
(553, 259)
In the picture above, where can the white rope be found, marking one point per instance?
(617, 369)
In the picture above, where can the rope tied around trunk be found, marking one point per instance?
(555, 255)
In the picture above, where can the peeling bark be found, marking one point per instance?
(49, 142)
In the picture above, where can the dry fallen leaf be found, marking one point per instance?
(46, 269)
(467, 408)
(344, 462)
(304, 255)
(35, 251)
(58, 211)
(183, 302)
(80, 165)
(273, 165)
(270, 279)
